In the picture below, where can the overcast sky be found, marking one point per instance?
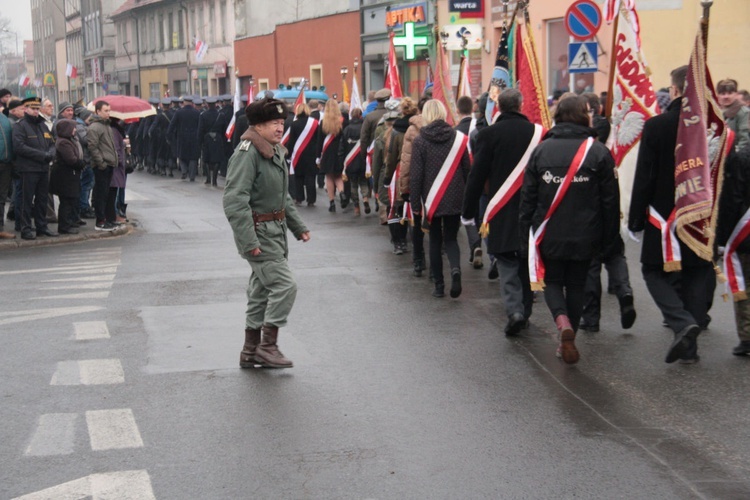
(19, 13)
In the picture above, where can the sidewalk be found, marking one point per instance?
(86, 232)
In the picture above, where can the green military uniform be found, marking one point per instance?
(257, 183)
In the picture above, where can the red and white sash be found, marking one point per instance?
(511, 185)
(285, 137)
(393, 217)
(368, 159)
(302, 141)
(408, 217)
(732, 265)
(326, 142)
(536, 266)
(670, 245)
(356, 150)
(445, 175)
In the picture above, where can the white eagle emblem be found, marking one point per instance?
(627, 124)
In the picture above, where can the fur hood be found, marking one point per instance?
(264, 147)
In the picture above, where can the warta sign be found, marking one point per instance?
(468, 9)
(412, 13)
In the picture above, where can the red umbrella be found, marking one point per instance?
(125, 107)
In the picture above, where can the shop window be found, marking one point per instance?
(263, 84)
(154, 89)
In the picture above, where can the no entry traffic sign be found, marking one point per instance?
(583, 19)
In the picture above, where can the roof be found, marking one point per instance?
(131, 5)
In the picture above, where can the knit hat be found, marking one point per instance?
(4, 92)
(63, 106)
(266, 110)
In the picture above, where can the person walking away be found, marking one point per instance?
(394, 147)
(65, 177)
(465, 107)
(34, 149)
(302, 155)
(682, 291)
(103, 161)
(211, 140)
(439, 168)
(260, 211)
(502, 152)
(569, 212)
(351, 157)
(119, 175)
(328, 141)
(184, 129)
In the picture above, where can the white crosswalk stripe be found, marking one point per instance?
(89, 372)
(54, 435)
(123, 485)
(113, 429)
(91, 330)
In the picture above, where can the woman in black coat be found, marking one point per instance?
(328, 141)
(585, 222)
(429, 153)
(305, 168)
(356, 169)
(65, 177)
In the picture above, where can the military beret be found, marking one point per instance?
(383, 94)
(32, 101)
(266, 110)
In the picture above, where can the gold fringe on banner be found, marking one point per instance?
(671, 267)
(484, 230)
(537, 286)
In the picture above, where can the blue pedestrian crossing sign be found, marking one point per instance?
(582, 57)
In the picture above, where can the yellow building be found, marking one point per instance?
(668, 28)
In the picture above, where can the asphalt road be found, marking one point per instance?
(120, 378)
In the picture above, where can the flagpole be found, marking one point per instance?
(612, 68)
(706, 4)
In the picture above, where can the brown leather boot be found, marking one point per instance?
(247, 356)
(567, 348)
(268, 353)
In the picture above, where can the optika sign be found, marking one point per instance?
(414, 13)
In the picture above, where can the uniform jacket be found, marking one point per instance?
(258, 181)
(212, 148)
(589, 214)
(33, 145)
(184, 129)
(101, 144)
(499, 148)
(158, 133)
(330, 163)
(653, 185)
(65, 177)
(306, 164)
(735, 197)
(428, 154)
(415, 125)
(738, 119)
(349, 138)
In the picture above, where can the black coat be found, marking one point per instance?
(65, 177)
(653, 185)
(735, 197)
(499, 148)
(149, 146)
(589, 214)
(212, 147)
(220, 127)
(306, 164)
(158, 133)
(464, 125)
(33, 145)
(240, 126)
(184, 128)
(329, 160)
(349, 138)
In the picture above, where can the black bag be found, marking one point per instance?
(129, 164)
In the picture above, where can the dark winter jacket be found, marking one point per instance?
(6, 140)
(306, 163)
(33, 145)
(499, 148)
(371, 120)
(588, 216)
(65, 177)
(394, 150)
(101, 144)
(349, 139)
(184, 129)
(429, 152)
(119, 176)
(329, 160)
(653, 185)
(240, 126)
(158, 133)
(735, 197)
(464, 125)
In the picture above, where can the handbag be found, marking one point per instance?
(129, 164)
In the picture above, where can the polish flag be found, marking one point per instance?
(201, 47)
(71, 71)
(24, 80)
(237, 105)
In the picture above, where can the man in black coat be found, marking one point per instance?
(682, 296)
(211, 133)
(240, 123)
(225, 118)
(158, 134)
(34, 149)
(499, 148)
(184, 128)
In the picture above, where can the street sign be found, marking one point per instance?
(583, 19)
(582, 57)
(409, 41)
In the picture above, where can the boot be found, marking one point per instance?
(439, 290)
(247, 356)
(215, 178)
(344, 200)
(567, 348)
(268, 352)
(357, 211)
(418, 266)
(455, 282)
(332, 206)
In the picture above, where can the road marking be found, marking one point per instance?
(91, 330)
(54, 435)
(11, 317)
(103, 277)
(113, 429)
(63, 269)
(85, 295)
(130, 484)
(131, 195)
(81, 286)
(89, 372)
(103, 270)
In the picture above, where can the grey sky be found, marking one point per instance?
(19, 13)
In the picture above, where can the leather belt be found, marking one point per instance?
(271, 216)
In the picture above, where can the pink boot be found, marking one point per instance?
(567, 348)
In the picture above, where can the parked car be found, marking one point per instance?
(289, 95)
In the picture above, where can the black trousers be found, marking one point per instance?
(100, 195)
(417, 238)
(67, 218)
(683, 297)
(564, 284)
(35, 192)
(304, 183)
(619, 280)
(444, 231)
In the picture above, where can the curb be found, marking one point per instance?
(19, 242)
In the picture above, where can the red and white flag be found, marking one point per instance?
(237, 106)
(303, 141)
(368, 159)
(445, 175)
(732, 265)
(442, 89)
(464, 79)
(71, 71)
(392, 79)
(356, 100)
(201, 47)
(24, 80)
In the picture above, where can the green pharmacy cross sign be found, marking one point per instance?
(409, 41)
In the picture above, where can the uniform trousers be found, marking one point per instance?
(304, 183)
(189, 168)
(35, 194)
(564, 282)
(683, 297)
(270, 294)
(359, 183)
(515, 290)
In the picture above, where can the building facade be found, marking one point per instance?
(48, 27)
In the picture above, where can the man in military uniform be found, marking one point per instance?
(225, 118)
(260, 209)
(212, 139)
(240, 123)
(158, 134)
(184, 129)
